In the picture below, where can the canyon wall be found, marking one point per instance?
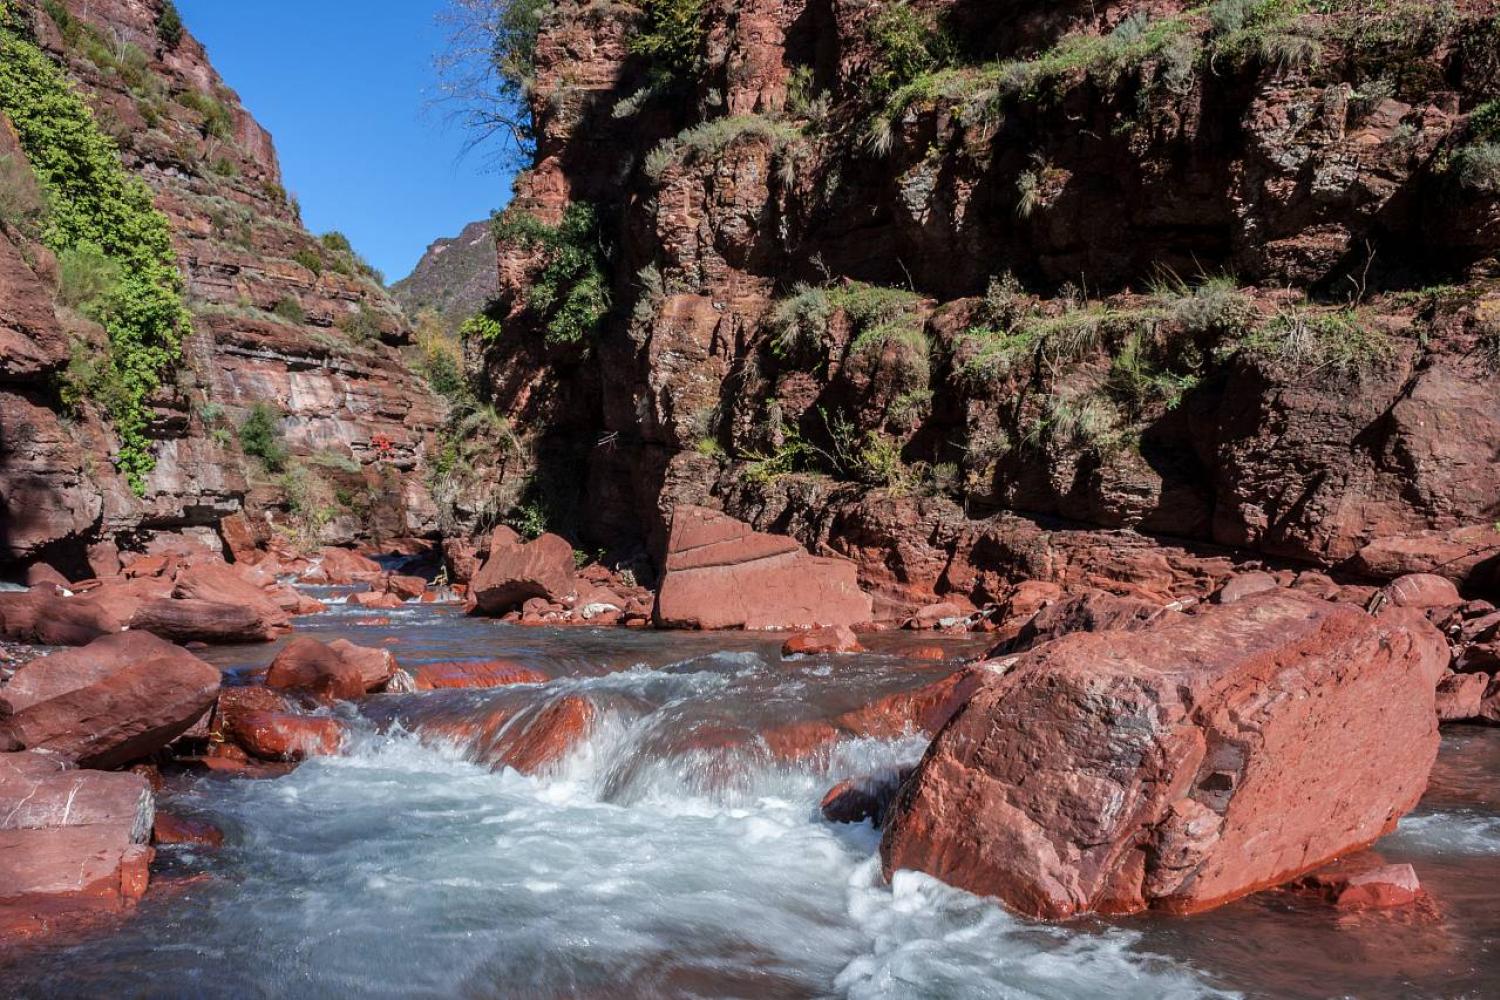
(1093, 292)
(282, 320)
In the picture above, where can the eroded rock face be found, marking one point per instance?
(720, 573)
(280, 319)
(1178, 767)
(116, 700)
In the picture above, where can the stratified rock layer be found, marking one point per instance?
(1181, 767)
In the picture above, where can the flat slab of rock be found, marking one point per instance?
(1180, 767)
(722, 574)
(50, 620)
(118, 699)
(71, 842)
(205, 621)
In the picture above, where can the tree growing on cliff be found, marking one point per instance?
(486, 71)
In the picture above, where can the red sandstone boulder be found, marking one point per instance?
(206, 621)
(119, 699)
(1422, 591)
(370, 599)
(408, 588)
(286, 736)
(833, 639)
(339, 670)
(541, 739)
(720, 574)
(1090, 611)
(1460, 697)
(1467, 556)
(342, 567)
(221, 583)
(1179, 767)
(460, 559)
(176, 830)
(1362, 883)
(72, 843)
(42, 575)
(1243, 585)
(516, 573)
(472, 675)
(51, 620)
(943, 615)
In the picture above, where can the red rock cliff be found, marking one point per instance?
(1082, 291)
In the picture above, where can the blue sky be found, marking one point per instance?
(344, 87)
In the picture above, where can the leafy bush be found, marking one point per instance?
(570, 294)
(361, 326)
(218, 121)
(908, 42)
(309, 259)
(347, 260)
(481, 327)
(93, 202)
(260, 437)
(671, 36)
(1477, 167)
(87, 280)
(169, 25)
(289, 309)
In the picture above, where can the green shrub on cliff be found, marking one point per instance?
(569, 294)
(908, 42)
(671, 36)
(21, 204)
(93, 203)
(169, 25)
(260, 437)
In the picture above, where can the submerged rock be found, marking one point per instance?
(722, 574)
(113, 701)
(833, 639)
(1180, 767)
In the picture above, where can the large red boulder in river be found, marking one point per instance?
(206, 621)
(1179, 767)
(338, 670)
(71, 842)
(115, 700)
(722, 574)
(516, 572)
(221, 583)
(50, 620)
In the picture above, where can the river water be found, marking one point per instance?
(659, 862)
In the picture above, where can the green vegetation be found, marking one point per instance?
(440, 360)
(1308, 340)
(908, 43)
(87, 280)
(800, 323)
(346, 260)
(713, 138)
(261, 437)
(671, 36)
(570, 293)
(481, 327)
(94, 208)
(218, 121)
(310, 259)
(169, 25)
(362, 325)
(289, 309)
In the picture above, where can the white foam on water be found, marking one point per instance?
(1452, 832)
(401, 870)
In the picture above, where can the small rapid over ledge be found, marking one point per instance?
(671, 854)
